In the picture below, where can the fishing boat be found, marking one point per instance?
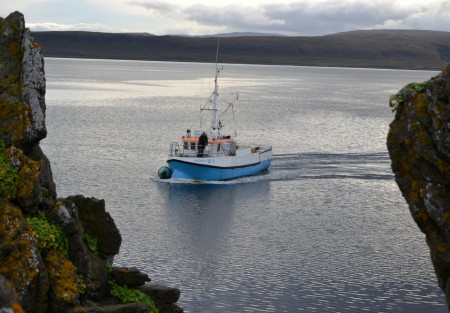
(211, 154)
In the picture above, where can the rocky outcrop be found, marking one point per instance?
(22, 85)
(165, 297)
(56, 255)
(130, 277)
(419, 147)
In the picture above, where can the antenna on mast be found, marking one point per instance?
(215, 122)
(217, 51)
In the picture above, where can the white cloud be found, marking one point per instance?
(162, 7)
(97, 27)
(304, 17)
(193, 17)
(235, 15)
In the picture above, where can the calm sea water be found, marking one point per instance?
(324, 230)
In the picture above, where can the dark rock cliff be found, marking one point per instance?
(419, 147)
(56, 254)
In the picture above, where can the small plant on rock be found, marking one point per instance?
(81, 284)
(50, 235)
(91, 242)
(396, 100)
(399, 98)
(127, 295)
(419, 87)
(109, 268)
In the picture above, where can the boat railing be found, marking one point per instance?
(175, 149)
(220, 149)
(212, 150)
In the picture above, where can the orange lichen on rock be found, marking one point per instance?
(420, 102)
(35, 44)
(447, 219)
(62, 276)
(19, 258)
(29, 191)
(16, 120)
(28, 177)
(443, 248)
(17, 308)
(15, 49)
(422, 167)
(11, 85)
(443, 165)
(11, 221)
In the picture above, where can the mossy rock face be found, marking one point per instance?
(80, 220)
(20, 260)
(419, 146)
(51, 250)
(24, 180)
(29, 191)
(16, 120)
(22, 85)
(11, 55)
(46, 177)
(64, 293)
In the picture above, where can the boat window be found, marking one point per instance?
(186, 145)
(192, 145)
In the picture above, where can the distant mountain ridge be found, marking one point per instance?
(397, 49)
(242, 34)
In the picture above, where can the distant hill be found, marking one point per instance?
(399, 49)
(243, 34)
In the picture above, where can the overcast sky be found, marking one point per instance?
(200, 17)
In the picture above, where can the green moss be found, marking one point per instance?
(396, 100)
(399, 98)
(127, 295)
(9, 176)
(109, 268)
(45, 193)
(91, 242)
(81, 284)
(419, 87)
(50, 235)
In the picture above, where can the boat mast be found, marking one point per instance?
(215, 122)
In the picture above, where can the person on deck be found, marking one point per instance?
(202, 143)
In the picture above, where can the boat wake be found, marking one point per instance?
(285, 167)
(331, 166)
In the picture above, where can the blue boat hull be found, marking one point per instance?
(200, 172)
